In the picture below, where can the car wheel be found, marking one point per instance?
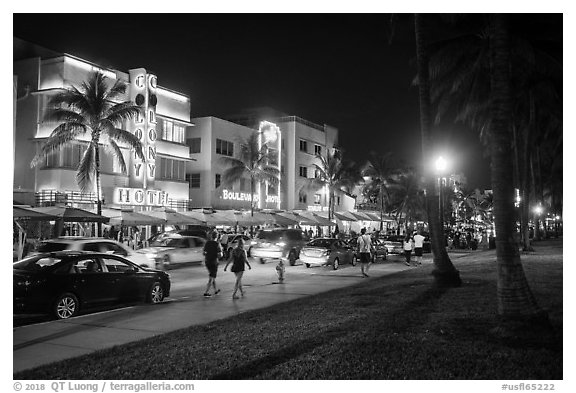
(336, 264)
(354, 260)
(292, 258)
(308, 265)
(66, 306)
(250, 252)
(262, 260)
(155, 294)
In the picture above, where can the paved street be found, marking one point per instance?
(46, 342)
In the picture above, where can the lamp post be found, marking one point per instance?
(441, 166)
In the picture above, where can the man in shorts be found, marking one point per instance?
(364, 248)
(418, 245)
(212, 249)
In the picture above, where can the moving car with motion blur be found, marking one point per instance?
(279, 243)
(327, 252)
(394, 244)
(65, 282)
(173, 250)
(233, 243)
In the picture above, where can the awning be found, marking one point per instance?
(209, 219)
(361, 216)
(131, 218)
(321, 221)
(71, 214)
(172, 217)
(301, 220)
(20, 213)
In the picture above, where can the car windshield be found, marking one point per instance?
(324, 243)
(52, 246)
(269, 235)
(35, 263)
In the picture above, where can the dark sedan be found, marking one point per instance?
(65, 282)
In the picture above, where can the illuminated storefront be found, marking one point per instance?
(157, 180)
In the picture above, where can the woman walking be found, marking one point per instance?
(408, 247)
(212, 251)
(239, 260)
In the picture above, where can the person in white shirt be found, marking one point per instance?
(408, 247)
(418, 245)
(364, 249)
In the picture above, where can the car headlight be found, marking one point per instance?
(281, 244)
(253, 242)
(150, 255)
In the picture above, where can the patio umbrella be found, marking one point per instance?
(209, 219)
(344, 216)
(298, 218)
(323, 222)
(172, 217)
(20, 213)
(361, 216)
(131, 218)
(71, 214)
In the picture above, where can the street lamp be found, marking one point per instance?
(441, 166)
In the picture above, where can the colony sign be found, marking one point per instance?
(140, 196)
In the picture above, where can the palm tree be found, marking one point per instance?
(407, 197)
(253, 163)
(515, 298)
(334, 173)
(91, 110)
(445, 273)
(380, 169)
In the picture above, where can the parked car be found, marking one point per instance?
(280, 243)
(327, 252)
(233, 243)
(66, 282)
(379, 246)
(94, 244)
(394, 244)
(175, 249)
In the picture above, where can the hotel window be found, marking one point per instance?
(171, 169)
(317, 149)
(317, 198)
(218, 180)
(195, 144)
(193, 180)
(303, 171)
(172, 132)
(224, 147)
(303, 146)
(302, 198)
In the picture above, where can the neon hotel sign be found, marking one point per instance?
(242, 196)
(143, 92)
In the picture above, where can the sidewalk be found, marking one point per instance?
(44, 343)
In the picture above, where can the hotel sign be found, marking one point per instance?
(242, 196)
(140, 196)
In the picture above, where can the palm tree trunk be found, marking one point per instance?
(515, 298)
(381, 207)
(252, 196)
(98, 188)
(445, 273)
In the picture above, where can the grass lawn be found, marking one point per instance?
(393, 327)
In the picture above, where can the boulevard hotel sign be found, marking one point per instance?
(143, 91)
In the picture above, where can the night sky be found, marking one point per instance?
(338, 69)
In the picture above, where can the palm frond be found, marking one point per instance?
(114, 150)
(62, 135)
(125, 137)
(87, 169)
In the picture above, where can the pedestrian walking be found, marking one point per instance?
(239, 261)
(212, 251)
(408, 246)
(280, 269)
(364, 249)
(418, 246)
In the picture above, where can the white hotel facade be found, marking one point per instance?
(182, 167)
